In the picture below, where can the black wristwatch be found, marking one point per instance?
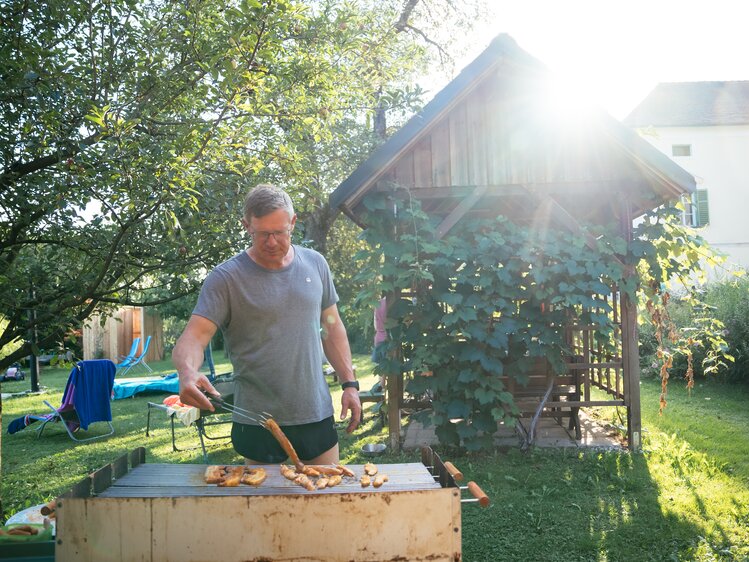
(350, 384)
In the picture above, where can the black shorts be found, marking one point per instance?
(309, 440)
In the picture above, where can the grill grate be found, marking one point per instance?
(179, 480)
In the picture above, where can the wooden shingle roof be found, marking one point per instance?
(690, 104)
(486, 143)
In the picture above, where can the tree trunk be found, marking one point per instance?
(380, 117)
(317, 226)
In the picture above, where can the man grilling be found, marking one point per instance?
(273, 302)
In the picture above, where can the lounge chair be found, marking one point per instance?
(84, 402)
(126, 360)
(140, 360)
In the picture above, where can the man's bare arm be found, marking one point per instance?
(187, 357)
(336, 347)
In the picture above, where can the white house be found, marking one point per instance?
(704, 127)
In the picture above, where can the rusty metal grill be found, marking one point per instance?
(167, 512)
(181, 480)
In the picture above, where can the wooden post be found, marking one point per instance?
(630, 346)
(631, 359)
(394, 392)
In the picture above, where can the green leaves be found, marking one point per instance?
(486, 301)
(133, 130)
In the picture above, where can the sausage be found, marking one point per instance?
(253, 476)
(328, 470)
(271, 425)
(305, 482)
(49, 507)
(288, 472)
(213, 475)
(345, 470)
(379, 480)
(233, 477)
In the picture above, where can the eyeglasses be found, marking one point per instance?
(278, 235)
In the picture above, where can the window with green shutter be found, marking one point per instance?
(696, 209)
(702, 211)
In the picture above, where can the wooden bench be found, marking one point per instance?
(566, 388)
(375, 394)
(329, 371)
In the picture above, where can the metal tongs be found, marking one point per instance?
(218, 402)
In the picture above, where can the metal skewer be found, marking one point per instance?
(261, 418)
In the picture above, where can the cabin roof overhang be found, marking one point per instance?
(649, 170)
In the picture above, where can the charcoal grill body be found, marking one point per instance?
(166, 512)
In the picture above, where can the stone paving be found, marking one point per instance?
(548, 434)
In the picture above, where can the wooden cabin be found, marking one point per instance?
(112, 337)
(489, 144)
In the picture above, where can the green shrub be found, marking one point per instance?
(726, 302)
(731, 305)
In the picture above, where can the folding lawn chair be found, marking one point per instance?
(224, 384)
(140, 359)
(86, 400)
(126, 360)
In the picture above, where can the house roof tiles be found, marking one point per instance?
(687, 104)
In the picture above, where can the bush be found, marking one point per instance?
(725, 301)
(731, 305)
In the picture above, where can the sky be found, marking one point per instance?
(615, 52)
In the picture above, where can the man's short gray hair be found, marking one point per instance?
(265, 198)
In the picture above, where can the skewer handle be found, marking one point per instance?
(454, 472)
(479, 494)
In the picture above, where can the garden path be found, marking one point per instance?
(548, 434)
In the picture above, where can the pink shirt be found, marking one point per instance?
(380, 315)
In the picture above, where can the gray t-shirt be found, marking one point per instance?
(270, 319)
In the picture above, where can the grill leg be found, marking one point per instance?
(174, 442)
(201, 430)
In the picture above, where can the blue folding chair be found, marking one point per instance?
(140, 359)
(126, 360)
(86, 400)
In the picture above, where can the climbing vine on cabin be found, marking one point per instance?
(479, 306)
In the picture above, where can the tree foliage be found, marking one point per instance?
(133, 129)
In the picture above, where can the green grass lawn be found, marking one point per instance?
(686, 497)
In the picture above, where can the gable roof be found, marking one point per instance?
(505, 62)
(684, 104)
(405, 136)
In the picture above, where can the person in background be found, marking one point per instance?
(380, 337)
(273, 302)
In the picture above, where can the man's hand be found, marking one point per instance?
(188, 357)
(191, 390)
(350, 400)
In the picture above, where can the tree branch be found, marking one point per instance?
(408, 8)
(17, 170)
